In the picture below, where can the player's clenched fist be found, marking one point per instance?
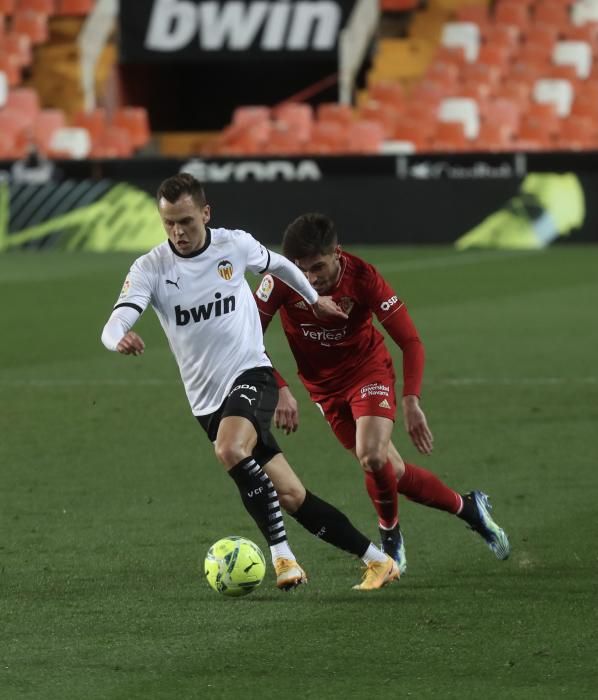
(131, 344)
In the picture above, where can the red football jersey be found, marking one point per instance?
(331, 355)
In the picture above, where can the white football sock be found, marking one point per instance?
(373, 554)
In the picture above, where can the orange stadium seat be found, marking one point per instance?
(45, 7)
(327, 137)
(417, 133)
(297, 116)
(514, 13)
(249, 114)
(94, 121)
(10, 65)
(365, 136)
(45, 124)
(334, 112)
(18, 45)
(554, 13)
(450, 136)
(478, 14)
(7, 7)
(135, 121)
(578, 132)
(494, 136)
(384, 114)
(32, 24)
(114, 143)
(392, 93)
(74, 7)
(283, 140)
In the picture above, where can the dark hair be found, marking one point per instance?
(177, 186)
(309, 234)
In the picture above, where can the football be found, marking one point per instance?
(234, 566)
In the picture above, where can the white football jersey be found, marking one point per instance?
(206, 309)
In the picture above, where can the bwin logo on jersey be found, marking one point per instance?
(225, 269)
(203, 312)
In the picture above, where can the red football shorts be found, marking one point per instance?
(371, 396)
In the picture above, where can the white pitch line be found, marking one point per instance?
(447, 381)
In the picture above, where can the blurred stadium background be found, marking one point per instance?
(434, 132)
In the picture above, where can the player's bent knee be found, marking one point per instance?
(230, 454)
(372, 461)
(291, 499)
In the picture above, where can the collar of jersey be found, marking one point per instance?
(197, 252)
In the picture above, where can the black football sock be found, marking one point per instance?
(260, 499)
(469, 512)
(329, 524)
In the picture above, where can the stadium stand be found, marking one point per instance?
(459, 75)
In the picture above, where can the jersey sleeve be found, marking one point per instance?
(136, 292)
(392, 314)
(257, 256)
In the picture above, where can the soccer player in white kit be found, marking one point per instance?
(195, 282)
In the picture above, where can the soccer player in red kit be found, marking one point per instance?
(349, 374)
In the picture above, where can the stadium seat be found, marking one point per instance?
(11, 67)
(554, 13)
(574, 53)
(504, 36)
(25, 100)
(463, 110)
(584, 13)
(578, 133)
(415, 132)
(327, 137)
(542, 35)
(7, 7)
(248, 114)
(450, 136)
(45, 124)
(391, 93)
(32, 24)
(70, 142)
(297, 116)
(384, 114)
(512, 13)
(75, 8)
(94, 121)
(45, 7)
(365, 136)
(135, 121)
(334, 112)
(556, 92)
(504, 112)
(114, 143)
(465, 35)
(478, 14)
(11, 122)
(18, 45)
(494, 136)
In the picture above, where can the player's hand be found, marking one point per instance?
(326, 308)
(286, 414)
(131, 344)
(417, 425)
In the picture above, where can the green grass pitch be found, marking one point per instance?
(110, 497)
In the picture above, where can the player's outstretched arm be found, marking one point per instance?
(286, 415)
(326, 308)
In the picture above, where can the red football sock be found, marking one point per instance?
(423, 487)
(382, 487)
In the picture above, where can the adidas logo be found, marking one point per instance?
(384, 404)
(301, 305)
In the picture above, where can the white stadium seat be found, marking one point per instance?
(584, 12)
(464, 110)
(462, 34)
(72, 141)
(555, 91)
(574, 53)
